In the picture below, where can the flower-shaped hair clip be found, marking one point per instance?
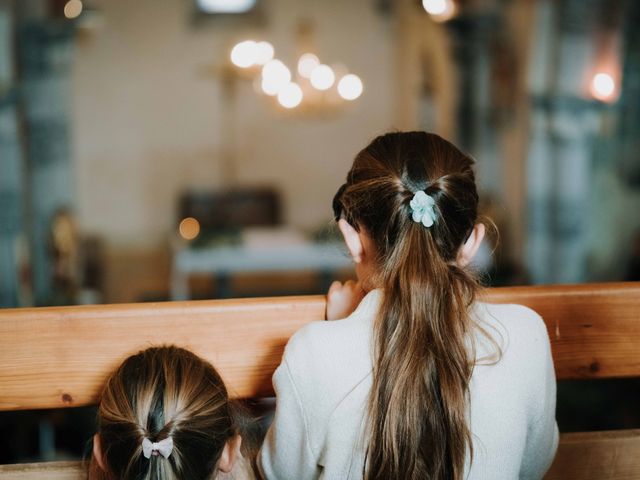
(423, 209)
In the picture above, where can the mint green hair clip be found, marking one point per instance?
(423, 209)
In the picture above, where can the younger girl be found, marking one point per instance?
(165, 414)
(421, 381)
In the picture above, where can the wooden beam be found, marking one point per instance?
(57, 357)
(60, 357)
(594, 328)
(612, 455)
(48, 470)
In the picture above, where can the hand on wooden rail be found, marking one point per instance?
(342, 299)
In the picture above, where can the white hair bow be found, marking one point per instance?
(163, 447)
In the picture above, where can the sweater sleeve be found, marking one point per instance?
(286, 451)
(542, 431)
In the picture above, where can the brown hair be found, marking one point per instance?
(158, 393)
(422, 361)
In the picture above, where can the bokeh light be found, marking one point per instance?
(290, 95)
(244, 54)
(306, 64)
(440, 10)
(322, 77)
(226, 6)
(275, 75)
(73, 9)
(189, 228)
(603, 87)
(350, 87)
(264, 53)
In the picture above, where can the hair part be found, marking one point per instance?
(158, 393)
(418, 427)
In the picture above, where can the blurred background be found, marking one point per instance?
(191, 148)
(173, 149)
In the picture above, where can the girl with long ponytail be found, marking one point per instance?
(419, 380)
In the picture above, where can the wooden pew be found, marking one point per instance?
(59, 357)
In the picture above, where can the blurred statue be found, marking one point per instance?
(64, 257)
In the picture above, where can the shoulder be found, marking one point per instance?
(333, 355)
(518, 321)
(520, 333)
(318, 340)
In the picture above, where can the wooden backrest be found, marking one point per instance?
(60, 357)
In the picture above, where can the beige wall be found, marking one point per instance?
(148, 125)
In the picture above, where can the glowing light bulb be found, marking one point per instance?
(350, 87)
(290, 95)
(244, 54)
(603, 87)
(306, 64)
(226, 6)
(264, 52)
(435, 7)
(189, 228)
(322, 77)
(275, 75)
(72, 9)
(440, 10)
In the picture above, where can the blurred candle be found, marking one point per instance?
(189, 228)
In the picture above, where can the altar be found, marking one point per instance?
(260, 251)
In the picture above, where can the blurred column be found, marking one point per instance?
(11, 175)
(560, 153)
(45, 54)
(408, 74)
(426, 80)
(491, 49)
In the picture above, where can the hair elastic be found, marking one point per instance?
(423, 208)
(163, 447)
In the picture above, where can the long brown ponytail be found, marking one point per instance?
(418, 427)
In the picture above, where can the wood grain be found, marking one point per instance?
(613, 455)
(46, 470)
(594, 328)
(597, 456)
(60, 357)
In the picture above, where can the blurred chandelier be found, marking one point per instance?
(313, 86)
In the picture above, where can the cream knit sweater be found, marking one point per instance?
(323, 383)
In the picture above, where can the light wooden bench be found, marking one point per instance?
(60, 357)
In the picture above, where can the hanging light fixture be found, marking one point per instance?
(312, 85)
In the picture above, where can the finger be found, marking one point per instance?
(351, 285)
(334, 288)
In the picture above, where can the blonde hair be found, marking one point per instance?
(422, 364)
(158, 393)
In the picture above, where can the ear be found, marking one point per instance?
(97, 452)
(471, 246)
(230, 453)
(352, 239)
